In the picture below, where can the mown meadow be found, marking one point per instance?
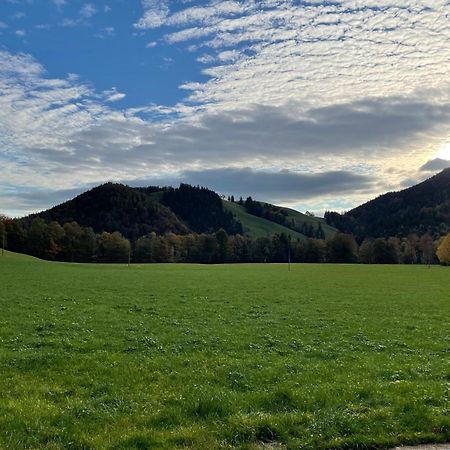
(227, 356)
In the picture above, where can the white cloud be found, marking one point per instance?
(60, 129)
(18, 15)
(318, 52)
(43, 26)
(113, 95)
(88, 10)
(210, 14)
(69, 23)
(21, 33)
(105, 33)
(156, 12)
(59, 3)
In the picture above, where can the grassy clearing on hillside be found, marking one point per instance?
(212, 357)
(257, 227)
(300, 218)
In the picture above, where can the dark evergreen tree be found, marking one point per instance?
(222, 245)
(320, 233)
(201, 208)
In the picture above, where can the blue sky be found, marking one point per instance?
(315, 105)
(98, 42)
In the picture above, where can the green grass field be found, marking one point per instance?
(212, 357)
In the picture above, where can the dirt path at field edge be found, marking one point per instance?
(276, 446)
(411, 447)
(425, 447)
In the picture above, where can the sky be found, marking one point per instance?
(316, 105)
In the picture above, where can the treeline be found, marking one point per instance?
(74, 243)
(69, 242)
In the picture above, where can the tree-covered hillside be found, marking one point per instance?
(201, 209)
(115, 207)
(421, 209)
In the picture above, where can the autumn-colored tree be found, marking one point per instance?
(443, 251)
(112, 247)
(56, 235)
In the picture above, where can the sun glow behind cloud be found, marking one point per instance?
(444, 152)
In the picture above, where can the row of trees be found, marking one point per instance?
(71, 242)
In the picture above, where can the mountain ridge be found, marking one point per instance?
(138, 211)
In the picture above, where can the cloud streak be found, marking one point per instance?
(435, 165)
(282, 186)
(279, 187)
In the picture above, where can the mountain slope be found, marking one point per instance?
(298, 219)
(136, 212)
(115, 207)
(423, 208)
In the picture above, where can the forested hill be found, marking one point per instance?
(115, 207)
(423, 208)
(136, 212)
